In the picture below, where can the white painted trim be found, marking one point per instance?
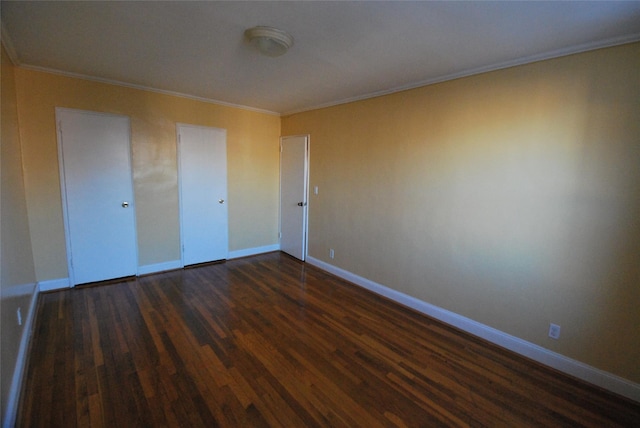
(63, 194)
(21, 363)
(145, 88)
(522, 61)
(54, 284)
(18, 290)
(466, 73)
(253, 251)
(159, 267)
(530, 350)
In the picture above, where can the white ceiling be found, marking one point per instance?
(343, 50)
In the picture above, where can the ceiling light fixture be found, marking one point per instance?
(268, 40)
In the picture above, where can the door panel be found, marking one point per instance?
(98, 195)
(202, 162)
(293, 195)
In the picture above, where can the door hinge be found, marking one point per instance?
(280, 235)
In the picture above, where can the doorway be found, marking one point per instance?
(294, 171)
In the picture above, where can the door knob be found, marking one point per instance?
(221, 201)
(302, 204)
(125, 204)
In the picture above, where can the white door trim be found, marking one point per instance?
(63, 186)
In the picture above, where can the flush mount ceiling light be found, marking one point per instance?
(268, 40)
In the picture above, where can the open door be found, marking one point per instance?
(294, 157)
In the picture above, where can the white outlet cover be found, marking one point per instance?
(554, 331)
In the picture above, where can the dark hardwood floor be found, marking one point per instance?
(270, 341)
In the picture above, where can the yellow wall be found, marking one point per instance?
(17, 273)
(511, 198)
(252, 157)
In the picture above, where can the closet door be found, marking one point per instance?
(97, 190)
(202, 169)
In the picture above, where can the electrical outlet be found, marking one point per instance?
(315, 190)
(554, 331)
(331, 253)
(19, 315)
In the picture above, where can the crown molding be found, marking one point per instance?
(6, 42)
(145, 88)
(466, 73)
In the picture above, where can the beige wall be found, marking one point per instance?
(252, 146)
(18, 278)
(511, 198)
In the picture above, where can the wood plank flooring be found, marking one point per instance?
(270, 341)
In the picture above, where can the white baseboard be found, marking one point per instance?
(535, 352)
(159, 267)
(61, 283)
(58, 284)
(253, 251)
(18, 372)
(53, 284)
(18, 290)
(177, 264)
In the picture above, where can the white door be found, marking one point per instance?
(202, 169)
(293, 195)
(97, 190)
